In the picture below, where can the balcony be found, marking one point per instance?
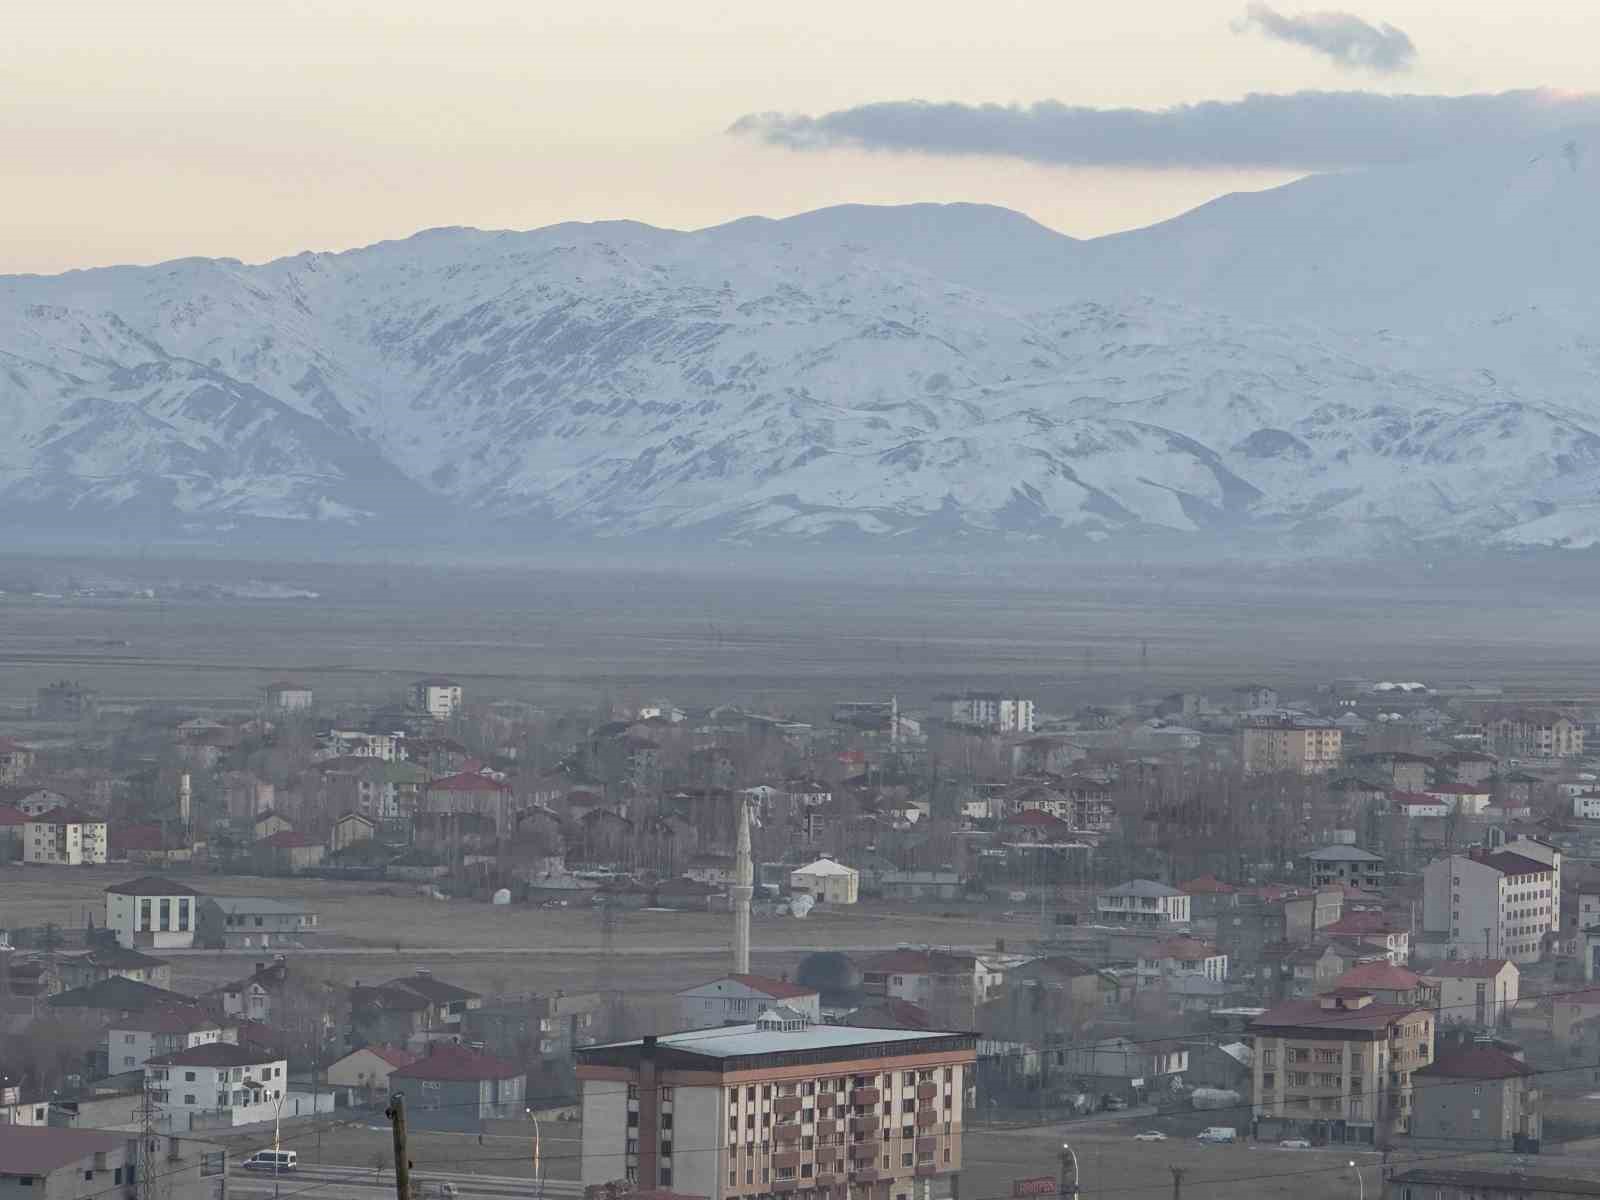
(927, 1145)
(827, 1125)
(784, 1105)
(865, 1095)
(864, 1152)
(924, 1170)
(927, 1118)
(828, 1178)
(866, 1175)
(927, 1091)
(786, 1158)
(780, 1186)
(865, 1124)
(786, 1133)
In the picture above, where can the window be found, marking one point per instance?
(128, 1039)
(166, 914)
(907, 1160)
(633, 1091)
(188, 1099)
(89, 1176)
(188, 1076)
(116, 1176)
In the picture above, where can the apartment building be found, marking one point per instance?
(65, 837)
(439, 698)
(739, 999)
(929, 977)
(1179, 958)
(1338, 1067)
(217, 1084)
(1143, 902)
(991, 710)
(49, 1163)
(1331, 866)
(781, 1107)
(1535, 733)
(1500, 904)
(1477, 1096)
(1477, 991)
(1272, 745)
(152, 913)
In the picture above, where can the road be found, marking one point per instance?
(656, 951)
(362, 1183)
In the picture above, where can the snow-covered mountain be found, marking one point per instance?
(1353, 360)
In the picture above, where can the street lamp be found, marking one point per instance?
(538, 1165)
(1360, 1183)
(1068, 1158)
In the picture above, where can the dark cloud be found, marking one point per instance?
(1303, 130)
(1344, 37)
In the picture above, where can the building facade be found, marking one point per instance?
(65, 837)
(43, 1162)
(1272, 745)
(439, 698)
(1477, 1096)
(456, 1088)
(1477, 991)
(152, 913)
(1330, 866)
(778, 1108)
(827, 882)
(1535, 733)
(993, 711)
(1143, 902)
(1492, 904)
(739, 999)
(217, 1085)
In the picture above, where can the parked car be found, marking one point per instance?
(1150, 1135)
(1113, 1103)
(1295, 1144)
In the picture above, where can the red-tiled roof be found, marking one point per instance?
(467, 781)
(1469, 968)
(7, 746)
(918, 962)
(1476, 1062)
(1459, 789)
(10, 816)
(393, 1055)
(778, 989)
(212, 1054)
(1305, 1014)
(67, 816)
(1357, 924)
(151, 885)
(1508, 863)
(1185, 949)
(1036, 819)
(457, 1063)
(1379, 976)
(1207, 885)
(138, 837)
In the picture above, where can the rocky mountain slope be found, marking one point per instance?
(1386, 357)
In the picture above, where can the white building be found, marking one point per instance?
(354, 743)
(64, 837)
(134, 1039)
(991, 710)
(827, 881)
(439, 698)
(1586, 806)
(285, 697)
(1476, 990)
(1469, 799)
(740, 999)
(152, 913)
(1181, 958)
(217, 1084)
(1143, 902)
(1498, 904)
(928, 977)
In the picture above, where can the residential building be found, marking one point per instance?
(1475, 991)
(453, 1087)
(1465, 799)
(439, 698)
(235, 922)
(1535, 733)
(32, 801)
(217, 1085)
(13, 832)
(447, 1002)
(548, 1028)
(106, 962)
(51, 1163)
(778, 1107)
(1276, 744)
(1330, 866)
(1181, 957)
(152, 913)
(739, 999)
(1476, 1096)
(1372, 933)
(827, 882)
(351, 828)
(254, 997)
(1586, 806)
(133, 1040)
(464, 810)
(287, 852)
(944, 981)
(912, 885)
(1464, 1183)
(288, 697)
(65, 701)
(1129, 1067)
(1492, 903)
(1143, 902)
(992, 711)
(366, 1071)
(16, 760)
(388, 1015)
(117, 997)
(1388, 984)
(65, 837)
(1337, 1068)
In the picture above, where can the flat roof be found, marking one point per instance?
(752, 1041)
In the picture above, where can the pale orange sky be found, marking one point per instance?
(138, 132)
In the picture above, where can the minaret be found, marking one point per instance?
(184, 800)
(743, 889)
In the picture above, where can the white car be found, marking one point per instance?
(1295, 1144)
(1150, 1135)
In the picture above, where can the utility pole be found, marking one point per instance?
(1177, 1181)
(396, 1112)
(1067, 1188)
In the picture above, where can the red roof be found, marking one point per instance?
(67, 816)
(1185, 949)
(1358, 924)
(1207, 885)
(452, 1063)
(1471, 968)
(467, 781)
(1508, 863)
(1476, 1062)
(1459, 789)
(1037, 819)
(7, 746)
(10, 816)
(778, 989)
(1379, 976)
(919, 962)
(393, 1055)
(1306, 1014)
(286, 839)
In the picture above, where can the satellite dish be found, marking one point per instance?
(801, 905)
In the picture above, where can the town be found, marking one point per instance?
(885, 950)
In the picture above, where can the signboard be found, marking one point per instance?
(1038, 1185)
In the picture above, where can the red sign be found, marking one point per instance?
(1039, 1185)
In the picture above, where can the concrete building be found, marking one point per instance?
(1586, 806)
(739, 999)
(439, 698)
(1337, 1067)
(249, 922)
(1460, 1183)
(286, 853)
(1475, 991)
(351, 828)
(289, 697)
(1143, 902)
(93, 966)
(255, 996)
(453, 1087)
(935, 979)
(1498, 904)
(152, 914)
(827, 882)
(547, 1027)
(65, 701)
(1368, 933)
(1181, 957)
(1476, 1096)
(366, 1071)
(50, 1163)
(133, 1040)
(217, 1085)
(1535, 733)
(1330, 866)
(447, 1003)
(992, 711)
(778, 1107)
(1127, 1067)
(1271, 745)
(16, 760)
(65, 837)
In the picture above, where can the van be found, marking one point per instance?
(1219, 1133)
(278, 1162)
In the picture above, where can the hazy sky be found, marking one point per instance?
(142, 131)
